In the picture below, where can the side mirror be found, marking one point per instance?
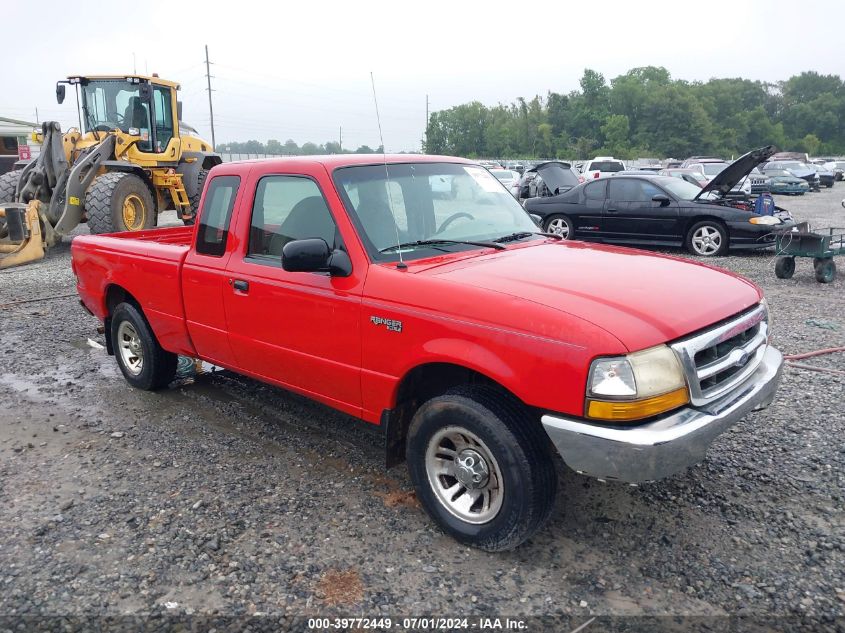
(663, 199)
(145, 91)
(537, 219)
(314, 255)
(60, 93)
(179, 110)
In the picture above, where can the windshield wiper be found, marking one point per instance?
(433, 242)
(518, 236)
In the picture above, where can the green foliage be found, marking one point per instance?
(290, 148)
(646, 112)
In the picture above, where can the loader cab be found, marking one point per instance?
(135, 105)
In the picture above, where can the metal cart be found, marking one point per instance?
(820, 244)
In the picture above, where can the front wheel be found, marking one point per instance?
(825, 270)
(117, 202)
(785, 267)
(481, 467)
(707, 239)
(141, 359)
(561, 225)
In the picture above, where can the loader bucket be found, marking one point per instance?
(24, 242)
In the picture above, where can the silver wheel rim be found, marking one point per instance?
(131, 350)
(559, 226)
(464, 475)
(706, 240)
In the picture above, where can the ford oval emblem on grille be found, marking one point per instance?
(742, 359)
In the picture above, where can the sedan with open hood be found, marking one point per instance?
(665, 211)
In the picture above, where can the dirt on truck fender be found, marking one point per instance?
(481, 346)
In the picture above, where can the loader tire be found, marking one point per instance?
(117, 202)
(8, 186)
(195, 199)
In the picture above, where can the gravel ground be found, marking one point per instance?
(224, 496)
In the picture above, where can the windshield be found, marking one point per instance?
(114, 104)
(505, 175)
(778, 172)
(681, 189)
(712, 169)
(606, 165)
(798, 166)
(427, 201)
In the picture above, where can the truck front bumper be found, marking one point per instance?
(667, 446)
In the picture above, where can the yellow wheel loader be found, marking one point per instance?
(132, 159)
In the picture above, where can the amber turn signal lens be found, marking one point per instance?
(625, 411)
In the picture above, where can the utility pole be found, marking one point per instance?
(340, 139)
(36, 116)
(210, 108)
(425, 129)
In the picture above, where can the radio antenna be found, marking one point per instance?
(401, 264)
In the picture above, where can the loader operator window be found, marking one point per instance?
(164, 117)
(110, 104)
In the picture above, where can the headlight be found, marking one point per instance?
(764, 219)
(636, 386)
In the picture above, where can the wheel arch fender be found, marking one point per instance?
(445, 364)
(190, 169)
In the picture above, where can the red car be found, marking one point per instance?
(477, 344)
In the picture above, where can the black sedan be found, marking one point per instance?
(663, 211)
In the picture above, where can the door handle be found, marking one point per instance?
(240, 285)
(613, 210)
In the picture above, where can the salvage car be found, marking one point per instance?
(547, 179)
(450, 324)
(826, 176)
(799, 169)
(692, 176)
(784, 181)
(664, 211)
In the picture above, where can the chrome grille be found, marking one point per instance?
(720, 358)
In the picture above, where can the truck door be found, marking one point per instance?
(204, 278)
(299, 330)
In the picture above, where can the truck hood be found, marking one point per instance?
(640, 298)
(731, 175)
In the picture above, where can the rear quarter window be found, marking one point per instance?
(216, 215)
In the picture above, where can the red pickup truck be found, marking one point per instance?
(416, 294)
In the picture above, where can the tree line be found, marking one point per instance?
(647, 113)
(290, 148)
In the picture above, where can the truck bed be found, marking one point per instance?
(145, 264)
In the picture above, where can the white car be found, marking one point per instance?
(711, 169)
(600, 167)
(508, 178)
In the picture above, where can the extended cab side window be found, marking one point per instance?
(288, 208)
(216, 215)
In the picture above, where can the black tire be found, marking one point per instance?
(556, 224)
(709, 225)
(195, 199)
(521, 452)
(8, 186)
(785, 267)
(825, 271)
(158, 368)
(104, 202)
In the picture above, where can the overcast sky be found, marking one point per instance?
(301, 70)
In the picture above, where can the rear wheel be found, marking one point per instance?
(141, 359)
(117, 202)
(481, 467)
(785, 267)
(195, 199)
(707, 238)
(561, 225)
(8, 186)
